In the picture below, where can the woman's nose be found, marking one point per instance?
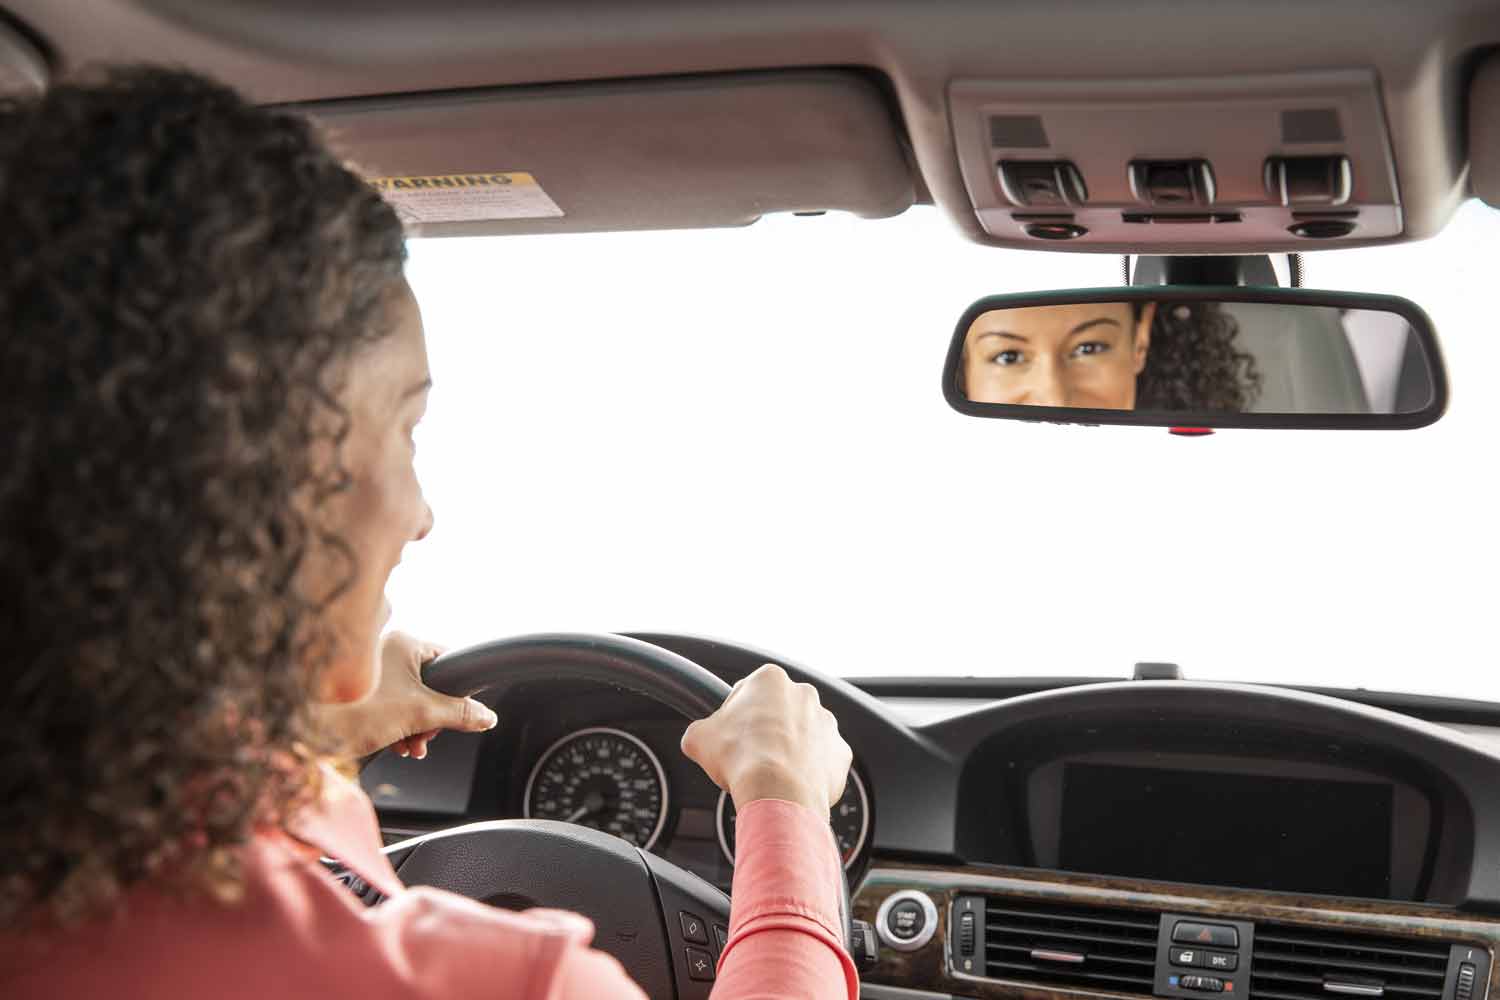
(1047, 387)
(426, 526)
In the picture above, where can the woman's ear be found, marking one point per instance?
(1143, 335)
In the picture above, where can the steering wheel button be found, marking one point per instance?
(700, 965)
(721, 937)
(693, 930)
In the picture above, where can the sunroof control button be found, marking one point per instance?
(1042, 184)
(1172, 183)
(1309, 180)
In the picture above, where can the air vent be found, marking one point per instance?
(1301, 963)
(1105, 949)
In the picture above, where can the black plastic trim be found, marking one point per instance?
(1427, 707)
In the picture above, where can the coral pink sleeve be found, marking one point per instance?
(785, 933)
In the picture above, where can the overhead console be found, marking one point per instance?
(1266, 163)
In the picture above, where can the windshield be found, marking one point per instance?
(741, 433)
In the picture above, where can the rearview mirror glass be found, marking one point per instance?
(1189, 355)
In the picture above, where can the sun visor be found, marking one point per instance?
(685, 152)
(1484, 131)
(23, 69)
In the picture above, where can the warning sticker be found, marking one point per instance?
(478, 197)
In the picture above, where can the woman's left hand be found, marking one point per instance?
(402, 712)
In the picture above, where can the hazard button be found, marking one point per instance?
(1213, 935)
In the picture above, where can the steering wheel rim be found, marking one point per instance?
(638, 902)
(616, 660)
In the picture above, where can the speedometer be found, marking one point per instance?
(850, 817)
(601, 778)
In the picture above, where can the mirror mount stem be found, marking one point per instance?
(1228, 269)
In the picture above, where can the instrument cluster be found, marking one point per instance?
(631, 781)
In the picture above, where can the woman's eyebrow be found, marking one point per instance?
(1002, 333)
(1093, 322)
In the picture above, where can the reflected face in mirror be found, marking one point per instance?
(1081, 355)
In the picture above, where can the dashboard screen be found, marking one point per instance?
(1245, 830)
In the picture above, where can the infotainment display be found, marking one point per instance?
(1245, 830)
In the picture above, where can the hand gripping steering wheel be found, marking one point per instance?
(636, 900)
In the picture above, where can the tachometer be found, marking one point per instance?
(601, 778)
(850, 817)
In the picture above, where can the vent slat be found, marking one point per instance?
(1119, 945)
(1147, 927)
(1278, 994)
(1351, 945)
(1093, 956)
(1054, 977)
(1326, 961)
(1291, 977)
(1293, 963)
(1315, 985)
(1066, 935)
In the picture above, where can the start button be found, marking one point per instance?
(907, 920)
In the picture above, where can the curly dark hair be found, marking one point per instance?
(1194, 362)
(183, 277)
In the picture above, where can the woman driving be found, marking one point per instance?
(214, 367)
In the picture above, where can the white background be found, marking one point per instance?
(741, 433)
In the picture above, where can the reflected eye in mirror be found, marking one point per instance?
(1215, 357)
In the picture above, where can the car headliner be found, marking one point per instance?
(1424, 56)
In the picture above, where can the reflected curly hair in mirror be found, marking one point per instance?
(1194, 362)
(184, 276)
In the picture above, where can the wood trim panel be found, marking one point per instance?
(929, 968)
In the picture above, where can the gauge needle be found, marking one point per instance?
(592, 804)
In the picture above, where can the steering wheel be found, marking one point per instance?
(664, 924)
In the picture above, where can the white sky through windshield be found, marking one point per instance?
(741, 433)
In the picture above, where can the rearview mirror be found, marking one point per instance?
(1176, 355)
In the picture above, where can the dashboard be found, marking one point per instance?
(603, 758)
(968, 820)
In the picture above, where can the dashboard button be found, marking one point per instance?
(1203, 984)
(700, 965)
(905, 920)
(1187, 957)
(1214, 935)
(966, 934)
(908, 920)
(1465, 988)
(1219, 961)
(693, 930)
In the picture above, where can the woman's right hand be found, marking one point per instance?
(772, 739)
